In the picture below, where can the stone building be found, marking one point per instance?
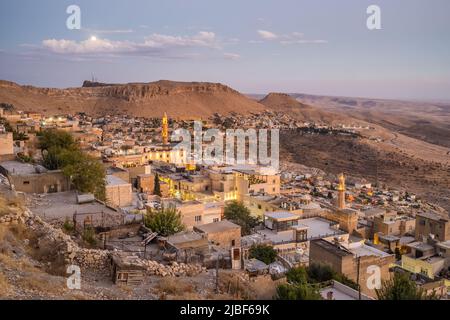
(224, 234)
(352, 260)
(6, 146)
(25, 177)
(146, 183)
(195, 213)
(346, 218)
(430, 223)
(390, 223)
(118, 192)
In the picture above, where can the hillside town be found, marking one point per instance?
(155, 214)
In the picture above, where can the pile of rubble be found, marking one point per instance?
(91, 259)
(11, 219)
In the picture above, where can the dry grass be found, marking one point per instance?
(5, 287)
(10, 205)
(174, 286)
(42, 283)
(17, 264)
(232, 284)
(76, 296)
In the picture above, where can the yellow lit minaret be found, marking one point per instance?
(341, 192)
(165, 129)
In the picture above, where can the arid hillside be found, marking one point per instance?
(428, 121)
(394, 166)
(179, 99)
(282, 102)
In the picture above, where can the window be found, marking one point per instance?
(26, 182)
(198, 218)
(233, 243)
(216, 220)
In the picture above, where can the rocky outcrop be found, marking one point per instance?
(178, 99)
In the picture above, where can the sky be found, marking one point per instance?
(255, 46)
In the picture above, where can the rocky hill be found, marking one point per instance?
(428, 121)
(179, 99)
(282, 102)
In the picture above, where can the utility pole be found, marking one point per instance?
(376, 169)
(217, 274)
(357, 277)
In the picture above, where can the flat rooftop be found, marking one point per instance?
(420, 246)
(371, 212)
(64, 205)
(433, 216)
(318, 227)
(340, 291)
(360, 250)
(330, 247)
(18, 168)
(115, 181)
(184, 237)
(219, 226)
(444, 244)
(281, 215)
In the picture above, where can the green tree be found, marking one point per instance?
(297, 275)
(263, 252)
(165, 222)
(56, 138)
(61, 151)
(20, 136)
(86, 173)
(398, 254)
(302, 291)
(6, 124)
(89, 236)
(7, 106)
(51, 158)
(319, 272)
(401, 287)
(238, 213)
(157, 187)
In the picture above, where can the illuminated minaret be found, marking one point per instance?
(341, 190)
(165, 129)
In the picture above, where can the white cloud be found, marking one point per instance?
(201, 39)
(267, 35)
(286, 39)
(108, 31)
(231, 56)
(152, 42)
(288, 42)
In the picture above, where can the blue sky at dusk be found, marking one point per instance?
(255, 46)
